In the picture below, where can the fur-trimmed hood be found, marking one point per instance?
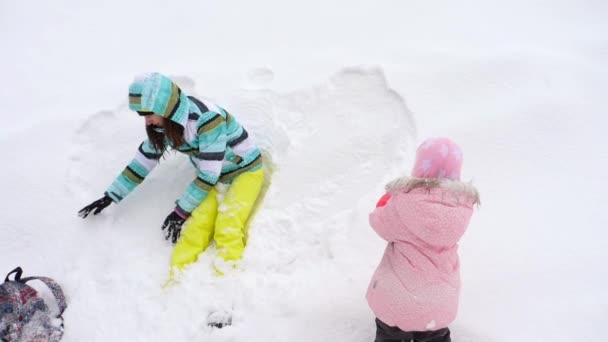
(426, 212)
(457, 188)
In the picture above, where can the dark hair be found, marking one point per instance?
(174, 132)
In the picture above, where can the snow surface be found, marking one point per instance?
(339, 93)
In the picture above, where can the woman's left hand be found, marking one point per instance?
(173, 224)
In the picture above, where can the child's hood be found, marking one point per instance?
(159, 95)
(427, 212)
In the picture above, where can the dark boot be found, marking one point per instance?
(386, 333)
(441, 335)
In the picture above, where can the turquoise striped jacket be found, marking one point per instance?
(218, 146)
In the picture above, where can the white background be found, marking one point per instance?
(339, 94)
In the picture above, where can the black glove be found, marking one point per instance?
(173, 224)
(98, 206)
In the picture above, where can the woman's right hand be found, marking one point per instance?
(98, 206)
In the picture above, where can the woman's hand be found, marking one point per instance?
(98, 206)
(173, 224)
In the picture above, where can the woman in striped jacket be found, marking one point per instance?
(221, 150)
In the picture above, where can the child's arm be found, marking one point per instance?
(383, 200)
(377, 219)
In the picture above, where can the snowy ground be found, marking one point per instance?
(339, 94)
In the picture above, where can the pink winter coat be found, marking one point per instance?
(417, 284)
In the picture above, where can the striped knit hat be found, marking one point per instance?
(156, 93)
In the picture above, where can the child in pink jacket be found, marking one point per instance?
(414, 291)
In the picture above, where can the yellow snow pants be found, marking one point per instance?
(225, 222)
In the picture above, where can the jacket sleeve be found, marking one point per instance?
(145, 160)
(212, 148)
(378, 221)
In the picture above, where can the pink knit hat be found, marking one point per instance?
(438, 158)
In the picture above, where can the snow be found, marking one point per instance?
(338, 94)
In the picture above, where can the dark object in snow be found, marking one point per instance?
(173, 223)
(24, 316)
(386, 333)
(219, 319)
(98, 206)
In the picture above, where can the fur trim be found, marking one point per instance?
(457, 187)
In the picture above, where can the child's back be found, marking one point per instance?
(416, 285)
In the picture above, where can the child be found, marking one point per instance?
(219, 148)
(414, 291)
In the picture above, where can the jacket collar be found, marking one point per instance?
(457, 187)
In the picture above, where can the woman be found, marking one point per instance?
(221, 150)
